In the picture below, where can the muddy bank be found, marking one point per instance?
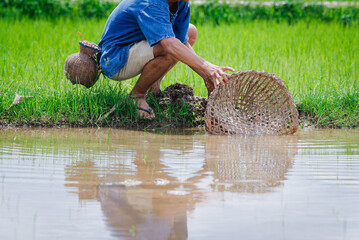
(176, 108)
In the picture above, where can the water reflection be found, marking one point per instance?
(125, 184)
(151, 195)
(151, 213)
(251, 164)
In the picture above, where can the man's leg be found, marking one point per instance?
(154, 71)
(192, 37)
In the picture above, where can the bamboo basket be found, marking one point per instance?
(82, 68)
(255, 103)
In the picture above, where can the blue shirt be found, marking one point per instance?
(136, 20)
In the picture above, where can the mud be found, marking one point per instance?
(178, 95)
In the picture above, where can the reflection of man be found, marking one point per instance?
(153, 211)
(150, 213)
(149, 210)
(195, 167)
(150, 37)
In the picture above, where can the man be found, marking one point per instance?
(149, 37)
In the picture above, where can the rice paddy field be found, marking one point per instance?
(318, 60)
(97, 182)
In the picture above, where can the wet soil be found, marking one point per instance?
(180, 94)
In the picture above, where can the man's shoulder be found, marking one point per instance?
(183, 6)
(128, 8)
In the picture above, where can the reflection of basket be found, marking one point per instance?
(250, 163)
(81, 67)
(251, 103)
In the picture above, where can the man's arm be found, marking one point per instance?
(184, 53)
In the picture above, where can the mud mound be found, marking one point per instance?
(179, 94)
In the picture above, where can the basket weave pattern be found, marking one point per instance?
(251, 103)
(81, 67)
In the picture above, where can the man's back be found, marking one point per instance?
(136, 20)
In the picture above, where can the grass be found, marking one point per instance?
(318, 60)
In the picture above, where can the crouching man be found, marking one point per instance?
(149, 37)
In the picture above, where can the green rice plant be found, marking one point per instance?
(318, 61)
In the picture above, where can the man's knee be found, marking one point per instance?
(192, 34)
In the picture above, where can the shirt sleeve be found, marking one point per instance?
(180, 27)
(155, 23)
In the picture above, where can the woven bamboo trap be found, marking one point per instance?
(82, 68)
(256, 103)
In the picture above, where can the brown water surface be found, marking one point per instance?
(117, 184)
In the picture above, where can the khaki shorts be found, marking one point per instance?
(138, 56)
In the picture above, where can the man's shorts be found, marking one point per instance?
(138, 56)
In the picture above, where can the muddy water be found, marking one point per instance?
(116, 184)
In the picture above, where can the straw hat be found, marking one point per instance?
(82, 67)
(251, 103)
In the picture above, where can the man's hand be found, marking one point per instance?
(213, 74)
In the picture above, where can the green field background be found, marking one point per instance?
(318, 60)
